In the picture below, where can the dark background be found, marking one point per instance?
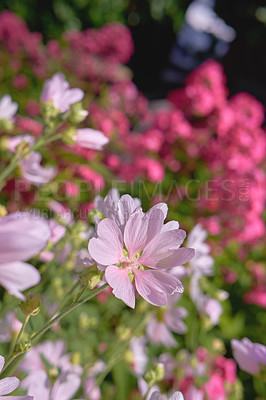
(154, 25)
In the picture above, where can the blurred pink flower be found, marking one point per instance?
(90, 138)
(22, 235)
(8, 108)
(9, 326)
(148, 243)
(215, 388)
(8, 385)
(33, 170)
(249, 355)
(56, 89)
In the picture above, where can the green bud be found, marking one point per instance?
(3, 211)
(22, 347)
(6, 125)
(77, 114)
(91, 276)
(94, 213)
(32, 304)
(155, 374)
(68, 136)
(49, 112)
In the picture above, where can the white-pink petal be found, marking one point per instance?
(8, 385)
(161, 246)
(91, 139)
(107, 248)
(18, 276)
(178, 257)
(141, 228)
(122, 287)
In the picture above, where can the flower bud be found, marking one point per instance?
(3, 211)
(91, 276)
(155, 374)
(32, 304)
(77, 114)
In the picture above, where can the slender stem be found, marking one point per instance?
(80, 293)
(21, 332)
(50, 323)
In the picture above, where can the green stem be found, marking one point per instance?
(49, 324)
(20, 333)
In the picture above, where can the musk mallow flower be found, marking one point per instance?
(248, 355)
(22, 235)
(8, 385)
(90, 139)
(8, 108)
(137, 257)
(57, 91)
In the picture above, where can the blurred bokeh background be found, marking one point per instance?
(171, 37)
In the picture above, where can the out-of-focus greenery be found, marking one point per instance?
(52, 17)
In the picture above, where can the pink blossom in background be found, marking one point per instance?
(257, 295)
(249, 355)
(57, 90)
(22, 235)
(148, 243)
(38, 383)
(215, 388)
(91, 139)
(32, 169)
(9, 325)
(57, 233)
(8, 385)
(8, 108)
(140, 359)
(14, 141)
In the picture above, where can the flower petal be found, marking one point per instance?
(141, 228)
(22, 235)
(107, 248)
(154, 286)
(8, 385)
(178, 257)
(18, 276)
(160, 247)
(2, 363)
(122, 287)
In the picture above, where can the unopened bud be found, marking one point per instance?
(91, 276)
(78, 114)
(155, 374)
(69, 136)
(32, 304)
(3, 211)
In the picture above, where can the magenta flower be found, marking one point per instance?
(8, 385)
(8, 109)
(22, 235)
(150, 247)
(57, 90)
(90, 139)
(249, 355)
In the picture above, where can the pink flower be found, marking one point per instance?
(170, 319)
(57, 90)
(150, 247)
(8, 109)
(90, 138)
(9, 326)
(33, 170)
(8, 385)
(215, 388)
(22, 235)
(249, 355)
(14, 141)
